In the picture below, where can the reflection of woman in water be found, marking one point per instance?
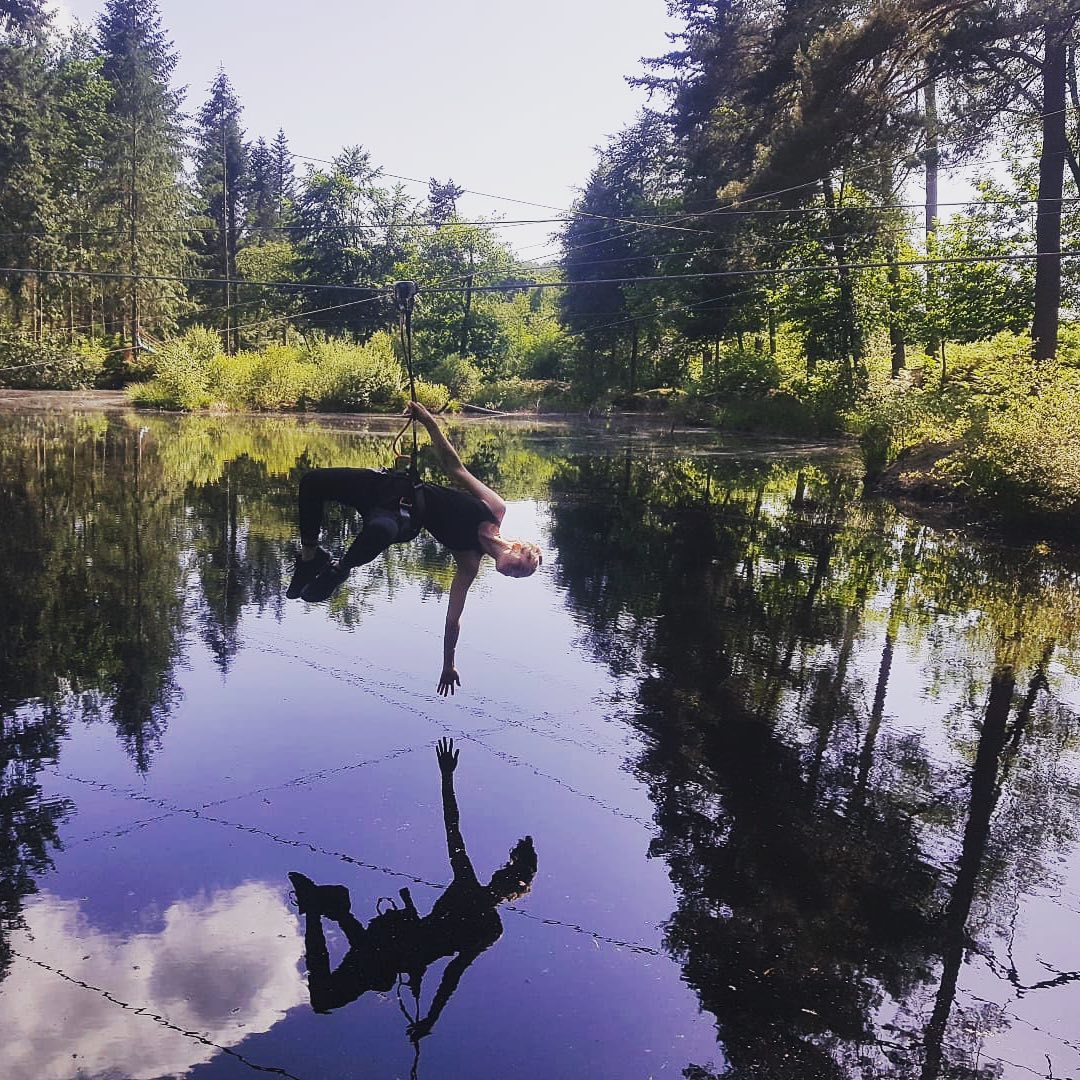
(466, 519)
(462, 923)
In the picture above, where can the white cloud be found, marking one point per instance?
(224, 966)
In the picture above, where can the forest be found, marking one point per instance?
(763, 248)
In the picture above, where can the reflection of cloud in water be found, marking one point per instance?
(223, 966)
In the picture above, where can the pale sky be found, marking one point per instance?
(505, 97)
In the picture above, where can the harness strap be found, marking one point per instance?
(405, 297)
(405, 293)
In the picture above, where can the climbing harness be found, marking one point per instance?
(411, 502)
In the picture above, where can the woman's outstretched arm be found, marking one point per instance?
(452, 464)
(459, 860)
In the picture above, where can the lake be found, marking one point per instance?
(800, 773)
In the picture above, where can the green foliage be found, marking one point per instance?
(434, 396)
(742, 371)
(460, 376)
(1024, 454)
(274, 378)
(1000, 429)
(192, 373)
(457, 321)
(893, 415)
(51, 363)
(181, 370)
(354, 378)
(528, 395)
(267, 310)
(347, 232)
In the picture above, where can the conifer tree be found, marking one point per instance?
(284, 178)
(261, 198)
(25, 145)
(349, 234)
(442, 201)
(221, 179)
(140, 193)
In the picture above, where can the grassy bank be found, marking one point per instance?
(995, 431)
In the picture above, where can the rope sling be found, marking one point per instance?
(411, 504)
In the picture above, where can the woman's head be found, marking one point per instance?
(521, 559)
(513, 880)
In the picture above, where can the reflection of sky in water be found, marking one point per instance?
(223, 965)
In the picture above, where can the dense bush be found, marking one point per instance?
(181, 372)
(192, 373)
(460, 376)
(433, 396)
(1004, 430)
(50, 364)
(535, 395)
(743, 371)
(355, 378)
(1025, 452)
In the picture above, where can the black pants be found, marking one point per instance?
(376, 495)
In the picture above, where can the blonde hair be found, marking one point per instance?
(534, 551)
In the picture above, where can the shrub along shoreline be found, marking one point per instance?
(191, 373)
(997, 435)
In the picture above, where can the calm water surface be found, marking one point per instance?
(800, 773)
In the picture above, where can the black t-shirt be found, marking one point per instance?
(453, 517)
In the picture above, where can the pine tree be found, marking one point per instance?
(26, 106)
(442, 201)
(284, 178)
(81, 96)
(349, 234)
(221, 178)
(139, 190)
(261, 199)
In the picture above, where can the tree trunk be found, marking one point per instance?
(850, 337)
(1044, 327)
(981, 804)
(897, 345)
(468, 308)
(896, 333)
(930, 223)
(633, 358)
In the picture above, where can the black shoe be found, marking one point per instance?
(306, 893)
(306, 572)
(330, 579)
(335, 901)
(329, 900)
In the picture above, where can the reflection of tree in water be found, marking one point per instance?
(28, 824)
(237, 552)
(805, 842)
(94, 596)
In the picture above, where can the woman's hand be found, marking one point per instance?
(419, 412)
(446, 755)
(447, 681)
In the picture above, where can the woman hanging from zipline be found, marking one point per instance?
(465, 519)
